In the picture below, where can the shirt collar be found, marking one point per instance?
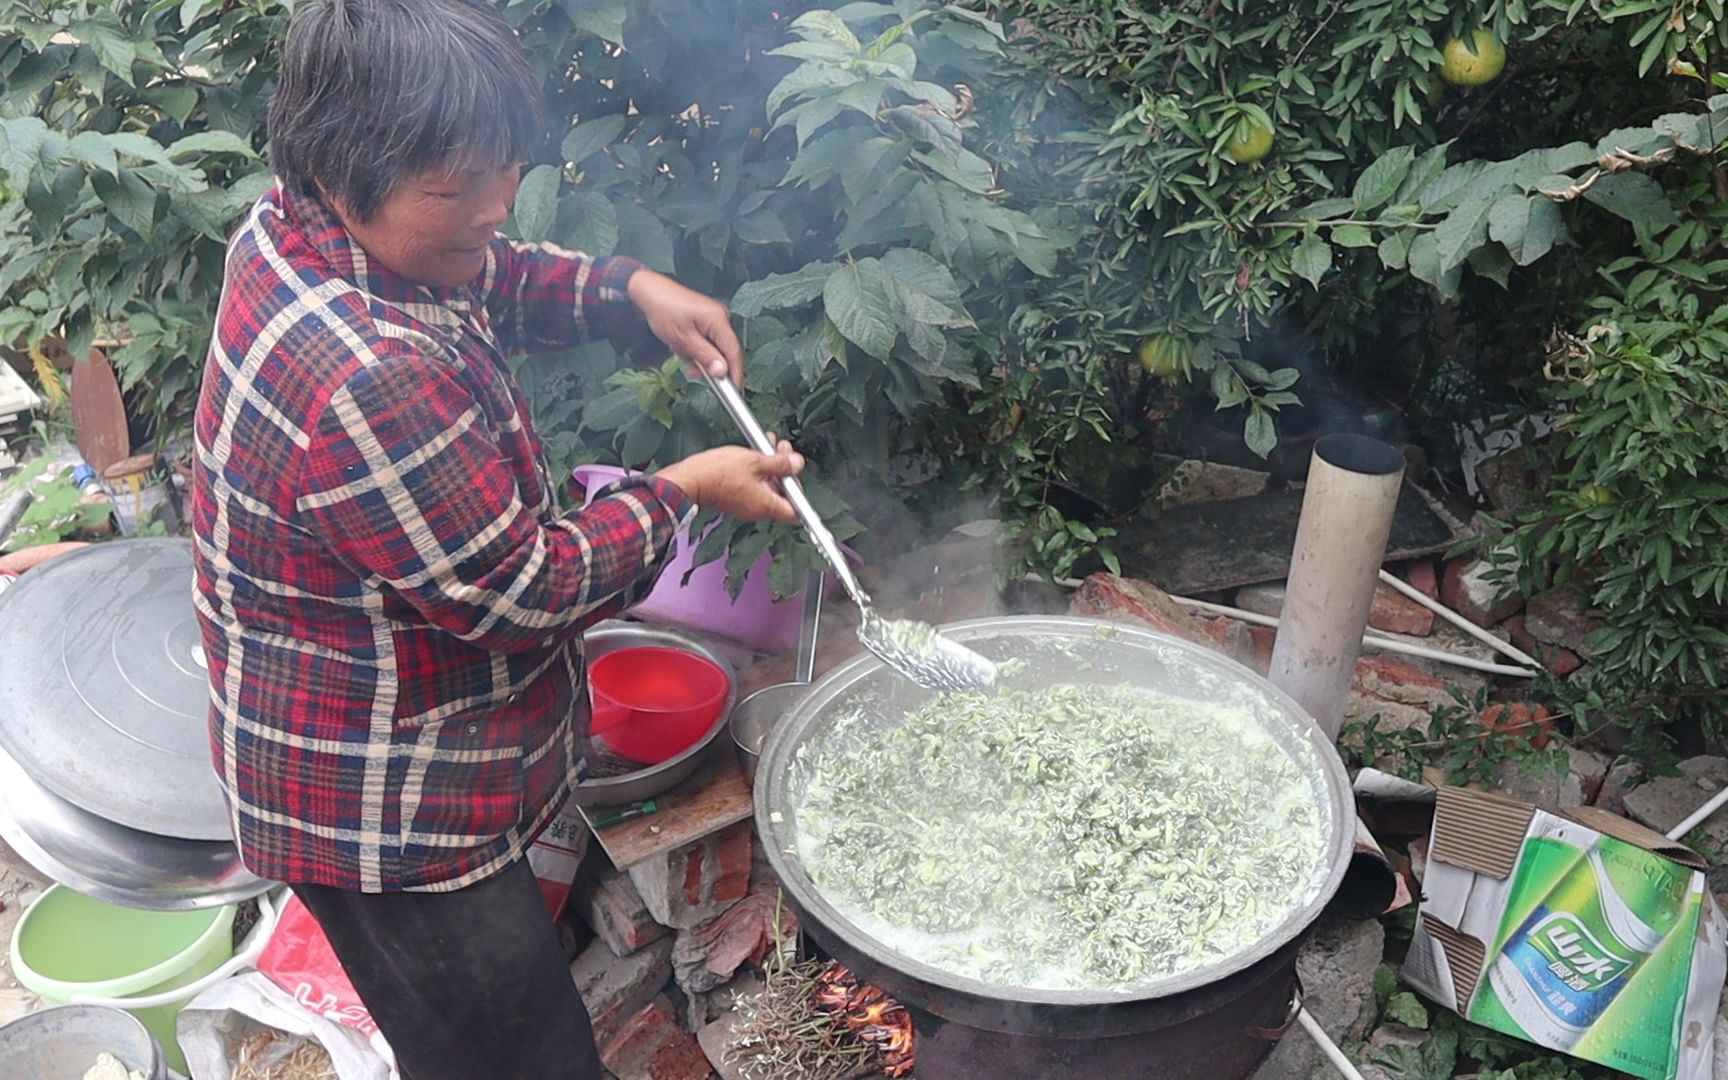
(441, 307)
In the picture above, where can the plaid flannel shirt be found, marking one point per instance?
(390, 604)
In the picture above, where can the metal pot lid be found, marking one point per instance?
(110, 862)
(862, 695)
(103, 675)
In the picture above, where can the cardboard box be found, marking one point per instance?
(1578, 930)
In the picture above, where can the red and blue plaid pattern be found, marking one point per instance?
(390, 603)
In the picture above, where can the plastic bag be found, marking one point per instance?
(301, 963)
(218, 1019)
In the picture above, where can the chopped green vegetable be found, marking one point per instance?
(1076, 837)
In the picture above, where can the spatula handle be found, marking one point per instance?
(734, 403)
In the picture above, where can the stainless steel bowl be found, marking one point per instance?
(755, 718)
(645, 783)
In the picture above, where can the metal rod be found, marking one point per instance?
(12, 512)
(824, 540)
(1698, 816)
(1369, 640)
(809, 628)
(1502, 647)
(1327, 1046)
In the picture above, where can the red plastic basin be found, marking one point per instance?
(652, 703)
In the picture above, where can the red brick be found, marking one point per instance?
(1561, 617)
(614, 987)
(1464, 589)
(1519, 721)
(1263, 637)
(1396, 613)
(710, 955)
(609, 903)
(693, 874)
(1137, 603)
(1422, 576)
(732, 847)
(651, 1046)
(1559, 661)
(693, 884)
(1402, 696)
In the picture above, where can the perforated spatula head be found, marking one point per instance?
(921, 653)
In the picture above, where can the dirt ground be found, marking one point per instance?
(19, 888)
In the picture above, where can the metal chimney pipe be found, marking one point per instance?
(1347, 509)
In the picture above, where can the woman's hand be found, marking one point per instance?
(739, 481)
(694, 326)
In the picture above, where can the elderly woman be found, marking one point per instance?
(389, 599)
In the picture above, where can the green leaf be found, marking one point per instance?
(1259, 433)
(1352, 236)
(1312, 258)
(21, 141)
(777, 292)
(176, 99)
(828, 25)
(129, 199)
(1463, 230)
(593, 227)
(1395, 251)
(860, 166)
(804, 79)
(1527, 225)
(962, 166)
(91, 148)
(645, 237)
(1633, 196)
(1405, 1008)
(210, 142)
(537, 203)
(859, 302)
(139, 146)
(590, 137)
(602, 18)
(114, 48)
(1424, 261)
(920, 271)
(761, 227)
(1381, 180)
(192, 10)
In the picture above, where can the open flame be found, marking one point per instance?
(872, 1015)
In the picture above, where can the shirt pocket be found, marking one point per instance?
(461, 780)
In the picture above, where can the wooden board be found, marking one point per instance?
(98, 414)
(1220, 545)
(716, 796)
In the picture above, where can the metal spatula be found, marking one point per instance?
(912, 648)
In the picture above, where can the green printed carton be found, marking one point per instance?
(1581, 932)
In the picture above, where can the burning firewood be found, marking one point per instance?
(870, 1014)
(816, 1021)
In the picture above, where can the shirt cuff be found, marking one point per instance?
(615, 317)
(679, 506)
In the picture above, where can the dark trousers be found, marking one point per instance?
(465, 985)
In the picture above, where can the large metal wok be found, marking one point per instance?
(1051, 651)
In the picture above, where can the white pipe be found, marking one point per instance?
(1347, 508)
(1327, 1046)
(1697, 816)
(1369, 640)
(1461, 622)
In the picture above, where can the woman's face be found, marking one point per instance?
(434, 228)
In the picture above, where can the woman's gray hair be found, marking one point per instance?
(372, 92)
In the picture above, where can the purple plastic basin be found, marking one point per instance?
(755, 619)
